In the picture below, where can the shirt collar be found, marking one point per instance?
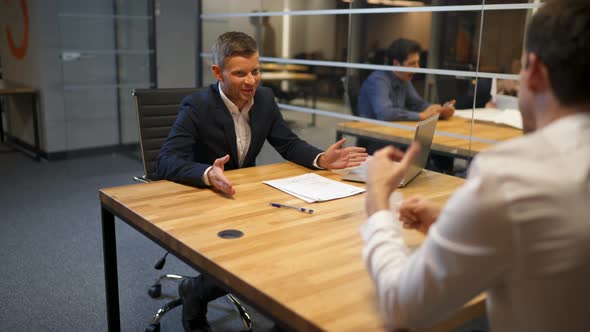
(395, 81)
(230, 105)
(568, 132)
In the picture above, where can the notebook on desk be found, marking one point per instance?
(424, 135)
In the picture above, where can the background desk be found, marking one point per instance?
(287, 76)
(281, 66)
(304, 270)
(485, 135)
(297, 77)
(9, 89)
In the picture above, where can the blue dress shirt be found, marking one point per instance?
(385, 97)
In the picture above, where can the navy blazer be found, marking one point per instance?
(204, 131)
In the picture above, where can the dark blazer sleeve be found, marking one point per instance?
(176, 160)
(289, 145)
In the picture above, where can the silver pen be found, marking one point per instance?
(300, 209)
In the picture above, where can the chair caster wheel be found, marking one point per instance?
(155, 291)
(153, 328)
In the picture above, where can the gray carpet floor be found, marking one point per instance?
(51, 251)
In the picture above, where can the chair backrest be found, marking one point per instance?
(353, 88)
(156, 113)
(462, 89)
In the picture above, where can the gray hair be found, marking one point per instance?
(232, 43)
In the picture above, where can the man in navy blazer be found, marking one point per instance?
(224, 127)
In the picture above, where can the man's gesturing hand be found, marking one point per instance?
(337, 157)
(385, 174)
(217, 179)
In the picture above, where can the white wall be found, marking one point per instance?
(40, 69)
(383, 29)
(86, 118)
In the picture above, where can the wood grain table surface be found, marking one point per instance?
(459, 142)
(305, 270)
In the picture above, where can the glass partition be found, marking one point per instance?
(470, 55)
(107, 50)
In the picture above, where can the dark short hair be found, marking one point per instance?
(232, 43)
(401, 48)
(559, 34)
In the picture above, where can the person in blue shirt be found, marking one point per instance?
(391, 96)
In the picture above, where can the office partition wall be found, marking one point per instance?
(107, 50)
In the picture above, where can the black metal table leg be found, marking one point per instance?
(36, 127)
(1, 122)
(109, 249)
(314, 98)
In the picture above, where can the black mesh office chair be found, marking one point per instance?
(352, 88)
(156, 113)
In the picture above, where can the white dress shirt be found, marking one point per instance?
(519, 229)
(242, 127)
(241, 124)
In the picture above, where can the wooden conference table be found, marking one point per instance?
(304, 270)
(458, 143)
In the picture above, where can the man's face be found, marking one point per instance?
(413, 60)
(239, 78)
(525, 99)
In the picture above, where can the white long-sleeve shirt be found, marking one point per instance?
(519, 229)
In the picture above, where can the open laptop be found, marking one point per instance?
(504, 102)
(423, 135)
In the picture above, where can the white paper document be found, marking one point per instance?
(311, 187)
(507, 117)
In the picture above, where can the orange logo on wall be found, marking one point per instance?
(19, 52)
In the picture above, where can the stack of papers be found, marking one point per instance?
(507, 117)
(311, 187)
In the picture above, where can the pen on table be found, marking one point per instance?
(300, 209)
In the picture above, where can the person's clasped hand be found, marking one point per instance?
(384, 174)
(430, 111)
(418, 213)
(447, 110)
(217, 179)
(337, 157)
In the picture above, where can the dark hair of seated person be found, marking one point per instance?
(401, 48)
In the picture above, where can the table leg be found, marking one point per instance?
(314, 98)
(109, 250)
(1, 122)
(36, 127)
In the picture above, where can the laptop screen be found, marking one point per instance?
(424, 135)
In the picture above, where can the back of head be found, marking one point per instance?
(559, 34)
(232, 43)
(401, 48)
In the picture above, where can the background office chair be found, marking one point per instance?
(352, 88)
(156, 113)
(462, 89)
